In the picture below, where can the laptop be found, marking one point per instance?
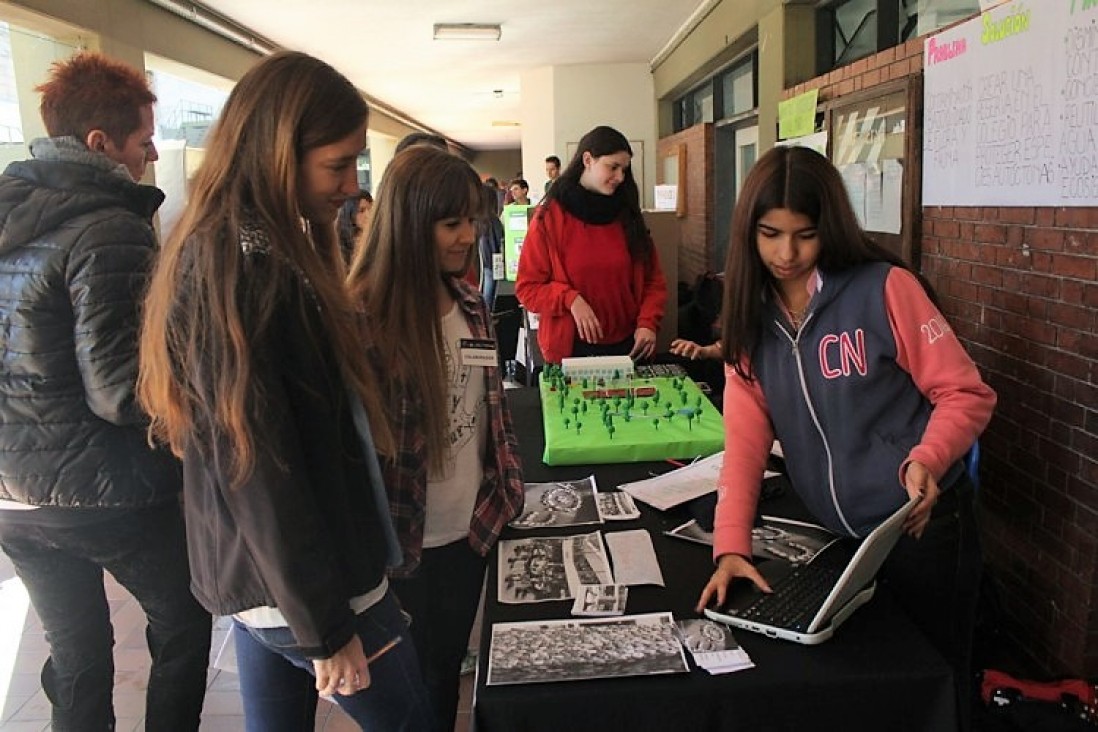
(811, 600)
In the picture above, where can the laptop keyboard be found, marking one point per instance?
(799, 595)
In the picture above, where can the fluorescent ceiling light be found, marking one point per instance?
(467, 31)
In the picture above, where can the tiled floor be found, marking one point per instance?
(24, 707)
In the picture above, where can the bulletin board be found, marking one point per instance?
(875, 146)
(1011, 108)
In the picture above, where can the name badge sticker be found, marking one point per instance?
(478, 352)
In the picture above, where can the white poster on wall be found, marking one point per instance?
(1010, 108)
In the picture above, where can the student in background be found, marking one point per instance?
(552, 169)
(489, 245)
(520, 192)
(456, 479)
(588, 267)
(251, 368)
(691, 350)
(832, 345)
(353, 220)
(421, 138)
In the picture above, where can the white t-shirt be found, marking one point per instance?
(451, 497)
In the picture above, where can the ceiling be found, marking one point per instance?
(467, 90)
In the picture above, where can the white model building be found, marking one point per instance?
(597, 367)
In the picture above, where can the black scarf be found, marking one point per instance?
(588, 206)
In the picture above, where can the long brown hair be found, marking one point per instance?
(196, 360)
(803, 181)
(394, 271)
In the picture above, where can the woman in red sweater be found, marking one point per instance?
(588, 266)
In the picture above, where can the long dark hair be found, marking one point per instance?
(803, 181)
(196, 350)
(604, 140)
(394, 275)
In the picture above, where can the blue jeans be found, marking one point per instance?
(279, 689)
(62, 568)
(442, 598)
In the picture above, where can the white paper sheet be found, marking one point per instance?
(634, 558)
(678, 486)
(681, 485)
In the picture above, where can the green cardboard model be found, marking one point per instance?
(618, 425)
(515, 219)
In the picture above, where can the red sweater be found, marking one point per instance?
(563, 257)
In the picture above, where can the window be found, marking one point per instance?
(728, 93)
(930, 15)
(25, 58)
(848, 30)
(738, 86)
(703, 104)
(855, 30)
(188, 102)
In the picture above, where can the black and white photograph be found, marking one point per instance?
(543, 569)
(567, 650)
(701, 635)
(600, 600)
(712, 645)
(795, 542)
(560, 503)
(617, 506)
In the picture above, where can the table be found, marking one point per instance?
(877, 673)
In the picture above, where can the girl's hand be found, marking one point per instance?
(919, 483)
(587, 324)
(344, 673)
(691, 350)
(644, 344)
(729, 567)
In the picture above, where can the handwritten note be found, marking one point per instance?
(1011, 108)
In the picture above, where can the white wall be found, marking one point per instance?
(576, 98)
(538, 124)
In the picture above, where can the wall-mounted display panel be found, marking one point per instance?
(1011, 108)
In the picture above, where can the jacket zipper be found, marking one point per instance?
(795, 341)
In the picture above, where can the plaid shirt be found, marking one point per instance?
(500, 496)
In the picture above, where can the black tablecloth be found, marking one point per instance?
(877, 673)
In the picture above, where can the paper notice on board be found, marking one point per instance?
(883, 196)
(873, 220)
(854, 176)
(892, 195)
(816, 141)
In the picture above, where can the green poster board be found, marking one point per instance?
(515, 222)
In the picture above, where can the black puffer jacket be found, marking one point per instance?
(76, 246)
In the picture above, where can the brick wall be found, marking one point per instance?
(1020, 286)
(696, 228)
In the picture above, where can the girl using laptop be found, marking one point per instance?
(833, 346)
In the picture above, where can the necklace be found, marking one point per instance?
(796, 316)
